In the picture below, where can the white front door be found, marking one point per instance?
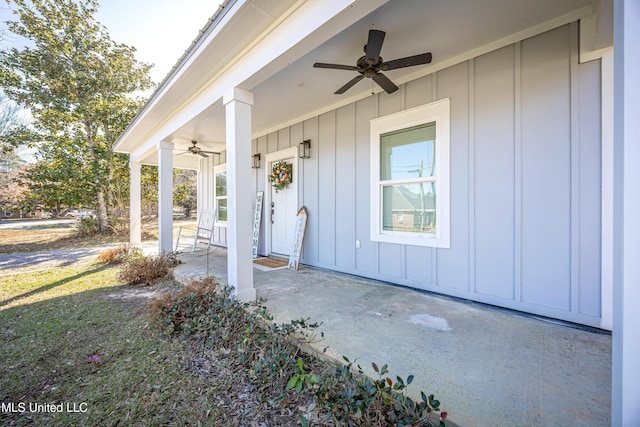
(282, 205)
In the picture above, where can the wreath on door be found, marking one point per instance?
(281, 175)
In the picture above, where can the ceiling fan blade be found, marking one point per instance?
(200, 153)
(180, 154)
(409, 61)
(385, 83)
(349, 84)
(374, 46)
(210, 152)
(335, 66)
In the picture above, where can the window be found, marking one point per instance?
(410, 176)
(220, 173)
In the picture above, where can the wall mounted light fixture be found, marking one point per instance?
(255, 164)
(304, 149)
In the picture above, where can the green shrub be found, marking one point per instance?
(353, 399)
(87, 226)
(194, 309)
(144, 270)
(242, 333)
(321, 393)
(118, 225)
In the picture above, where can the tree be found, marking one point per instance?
(185, 190)
(58, 177)
(78, 85)
(149, 189)
(14, 191)
(11, 125)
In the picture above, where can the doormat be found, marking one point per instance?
(270, 263)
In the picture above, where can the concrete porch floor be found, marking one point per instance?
(488, 367)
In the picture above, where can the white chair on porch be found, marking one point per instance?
(203, 233)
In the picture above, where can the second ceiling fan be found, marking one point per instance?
(371, 64)
(194, 149)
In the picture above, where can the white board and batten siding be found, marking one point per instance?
(525, 182)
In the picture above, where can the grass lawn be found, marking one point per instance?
(65, 236)
(77, 349)
(72, 336)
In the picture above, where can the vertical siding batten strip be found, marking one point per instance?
(574, 110)
(301, 171)
(282, 140)
(366, 258)
(345, 201)
(403, 248)
(335, 189)
(606, 275)
(313, 169)
(376, 245)
(335, 198)
(472, 188)
(517, 282)
(434, 251)
(355, 183)
(376, 113)
(317, 178)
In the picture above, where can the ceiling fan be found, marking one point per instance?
(371, 64)
(194, 149)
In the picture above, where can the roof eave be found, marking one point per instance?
(122, 145)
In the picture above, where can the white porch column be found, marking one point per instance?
(135, 204)
(238, 104)
(165, 196)
(626, 233)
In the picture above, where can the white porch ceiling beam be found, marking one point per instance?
(144, 151)
(149, 149)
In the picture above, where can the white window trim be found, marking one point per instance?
(217, 169)
(439, 112)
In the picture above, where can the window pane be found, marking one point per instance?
(409, 207)
(408, 153)
(221, 184)
(222, 209)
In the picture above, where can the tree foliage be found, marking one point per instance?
(12, 125)
(78, 85)
(149, 189)
(14, 191)
(185, 190)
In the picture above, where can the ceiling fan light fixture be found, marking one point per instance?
(371, 64)
(195, 150)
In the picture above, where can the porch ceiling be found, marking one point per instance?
(286, 90)
(444, 28)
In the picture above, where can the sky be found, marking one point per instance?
(160, 30)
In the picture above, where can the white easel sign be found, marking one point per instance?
(298, 238)
(257, 218)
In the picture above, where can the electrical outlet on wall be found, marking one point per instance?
(357, 244)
